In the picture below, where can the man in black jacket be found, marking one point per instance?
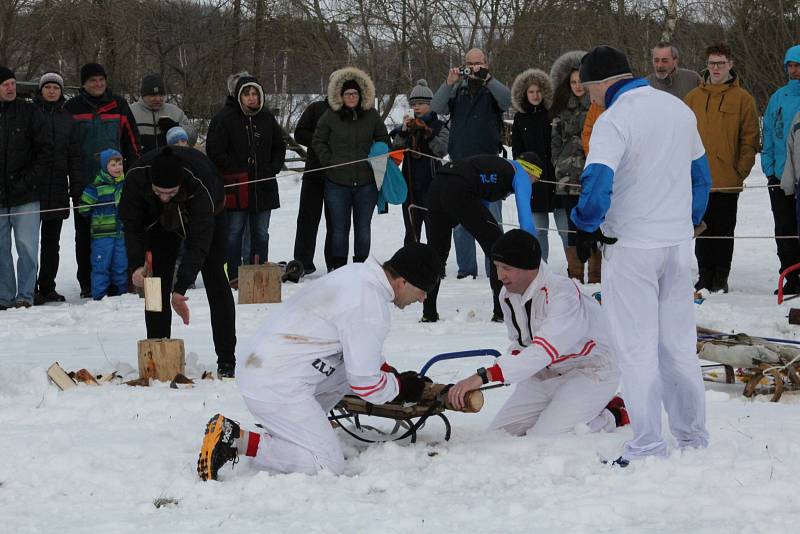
(312, 192)
(61, 182)
(104, 121)
(175, 194)
(26, 151)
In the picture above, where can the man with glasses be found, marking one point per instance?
(175, 195)
(475, 102)
(728, 125)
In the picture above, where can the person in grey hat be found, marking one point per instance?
(154, 116)
(426, 136)
(645, 185)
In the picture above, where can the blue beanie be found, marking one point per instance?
(106, 156)
(175, 134)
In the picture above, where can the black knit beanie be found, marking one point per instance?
(519, 249)
(152, 84)
(602, 63)
(92, 69)
(6, 74)
(419, 264)
(350, 84)
(167, 169)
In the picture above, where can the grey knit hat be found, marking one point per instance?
(420, 93)
(51, 77)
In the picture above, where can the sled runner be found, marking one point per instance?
(765, 365)
(406, 419)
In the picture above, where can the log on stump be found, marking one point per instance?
(259, 284)
(161, 359)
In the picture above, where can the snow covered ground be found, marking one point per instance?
(98, 459)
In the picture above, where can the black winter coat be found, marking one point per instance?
(26, 151)
(531, 132)
(200, 198)
(344, 136)
(304, 134)
(63, 179)
(247, 147)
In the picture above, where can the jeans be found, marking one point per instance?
(26, 237)
(465, 244)
(259, 238)
(342, 201)
(542, 221)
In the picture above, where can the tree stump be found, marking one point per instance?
(161, 359)
(259, 284)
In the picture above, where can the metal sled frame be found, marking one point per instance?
(783, 376)
(347, 413)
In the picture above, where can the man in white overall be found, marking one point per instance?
(324, 342)
(564, 372)
(645, 184)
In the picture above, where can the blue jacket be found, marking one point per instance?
(475, 120)
(783, 106)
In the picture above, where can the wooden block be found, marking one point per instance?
(152, 294)
(259, 284)
(161, 359)
(60, 378)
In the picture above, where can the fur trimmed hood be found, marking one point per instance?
(564, 65)
(363, 80)
(524, 80)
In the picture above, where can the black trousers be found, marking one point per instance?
(450, 204)
(784, 213)
(164, 247)
(414, 218)
(714, 255)
(50, 233)
(309, 214)
(83, 250)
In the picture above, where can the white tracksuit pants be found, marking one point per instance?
(299, 438)
(647, 301)
(551, 403)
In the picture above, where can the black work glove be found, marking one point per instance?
(586, 243)
(165, 123)
(411, 386)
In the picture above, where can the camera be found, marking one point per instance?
(465, 72)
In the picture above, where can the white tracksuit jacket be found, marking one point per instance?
(553, 328)
(335, 325)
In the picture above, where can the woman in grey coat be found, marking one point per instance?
(345, 133)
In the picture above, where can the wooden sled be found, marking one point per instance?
(406, 419)
(766, 366)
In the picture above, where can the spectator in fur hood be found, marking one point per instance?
(246, 144)
(531, 98)
(344, 134)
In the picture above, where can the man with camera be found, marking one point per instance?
(475, 101)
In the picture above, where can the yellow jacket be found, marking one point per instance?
(728, 125)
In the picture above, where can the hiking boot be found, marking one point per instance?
(461, 276)
(217, 448)
(497, 317)
(22, 304)
(705, 281)
(720, 281)
(617, 408)
(226, 370)
(52, 296)
(429, 319)
(38, 299)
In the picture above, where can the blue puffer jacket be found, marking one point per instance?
(783, 106)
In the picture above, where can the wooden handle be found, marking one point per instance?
(148, 263)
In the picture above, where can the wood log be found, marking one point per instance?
(161, 359)
(473, 400)
(59, 377)
(259, 284)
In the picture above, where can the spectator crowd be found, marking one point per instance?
(60, 154)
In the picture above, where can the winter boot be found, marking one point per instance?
(226, 370)
(720, 282)
(574, 265)
(217, 448)
(338, 262)
(617, 408)
(706, 279)
(595, 260)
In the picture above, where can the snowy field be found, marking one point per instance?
(98, 459)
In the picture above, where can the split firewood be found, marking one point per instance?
(59, 377)
(181, 380)
(84, 376)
